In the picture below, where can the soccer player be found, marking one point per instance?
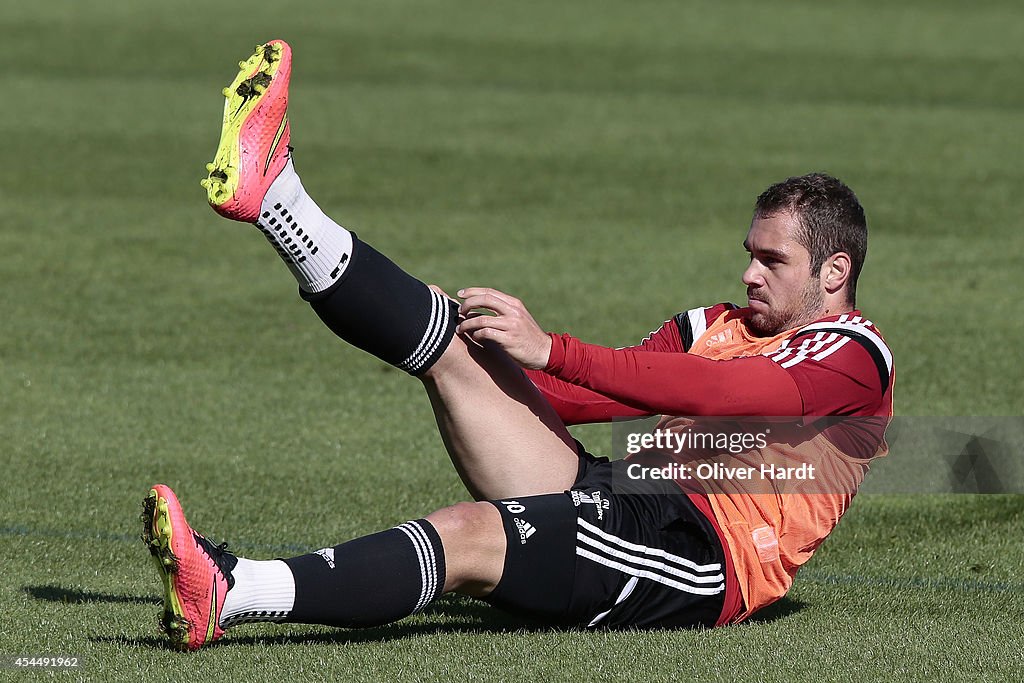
(551, 535)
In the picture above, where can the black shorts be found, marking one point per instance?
(636, 556)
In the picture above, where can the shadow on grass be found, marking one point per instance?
(446, 618)
(449, 615)
(75, 596)
(463, 615)
(778, 610)
(384, 634)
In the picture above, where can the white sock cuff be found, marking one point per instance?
(264, 590)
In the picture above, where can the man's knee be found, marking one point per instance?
(468, 524)
(474, 546)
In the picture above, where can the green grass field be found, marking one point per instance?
(597, 159)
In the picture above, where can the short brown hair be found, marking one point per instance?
(830, 216)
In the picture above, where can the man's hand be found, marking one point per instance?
(511, 327)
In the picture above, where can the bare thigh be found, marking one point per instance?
(503, 436)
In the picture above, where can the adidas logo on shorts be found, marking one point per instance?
(525, 529)
(595, 499)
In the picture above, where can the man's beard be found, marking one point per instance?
(803, 311)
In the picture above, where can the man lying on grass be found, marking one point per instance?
(558, 534)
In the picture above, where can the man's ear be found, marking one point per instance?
(835, 272)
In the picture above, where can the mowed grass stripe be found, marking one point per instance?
(570, 157)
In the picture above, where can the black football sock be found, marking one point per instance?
(381, 309)
(371, 580)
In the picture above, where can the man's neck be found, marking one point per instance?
(803, 321)
(824, 312)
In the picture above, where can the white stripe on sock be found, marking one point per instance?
(440, 313)
(435, 310)
(421, 556)
(439, 335)
(430, 578)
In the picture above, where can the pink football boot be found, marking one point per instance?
(196, 573)
(254, 135)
